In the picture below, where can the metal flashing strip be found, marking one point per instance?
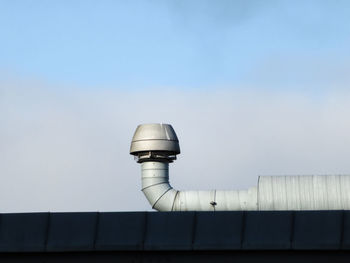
(152, 231)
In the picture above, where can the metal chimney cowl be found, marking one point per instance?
(155, 141)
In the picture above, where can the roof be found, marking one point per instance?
(187, 231)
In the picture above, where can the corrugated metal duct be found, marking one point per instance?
(316, 192)
(156, 145)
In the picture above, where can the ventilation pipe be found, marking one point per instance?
(156, 145)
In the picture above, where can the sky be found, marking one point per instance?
(251, 88)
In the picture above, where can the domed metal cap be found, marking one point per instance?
(155, 138)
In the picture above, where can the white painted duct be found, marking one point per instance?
(162, 197)
(317, 192)
(156, 145)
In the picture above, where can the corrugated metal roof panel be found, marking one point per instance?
(25, 232)
(120, 231)
(317, 230)
(218, 230)
(169, 231)
(72, 231)
(159, 231)
(268, 230)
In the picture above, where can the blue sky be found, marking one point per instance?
(251, 88)
(179, 44)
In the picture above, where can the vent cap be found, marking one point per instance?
(155, 139)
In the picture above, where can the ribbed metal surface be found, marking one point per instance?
(316, 192)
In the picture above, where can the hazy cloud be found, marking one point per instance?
(67, 149)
